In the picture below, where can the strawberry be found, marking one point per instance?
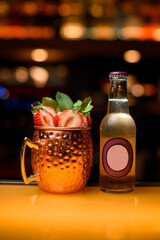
(45, 117)
(85, 121)
(56, 120)
(41, 118)
(89, 120)
(62, 112)
(68, 118)
(38, 121)
(50, 110)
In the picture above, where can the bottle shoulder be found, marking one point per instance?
(118, 122)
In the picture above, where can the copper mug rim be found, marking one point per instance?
(62, 128)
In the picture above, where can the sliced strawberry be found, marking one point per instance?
(42, 118)
(68, 118)
(85, 121)
(50, 110)
(38, 121)
(56, 118)
(45, 117)
(48, 119)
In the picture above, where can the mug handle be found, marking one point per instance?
(30, 144)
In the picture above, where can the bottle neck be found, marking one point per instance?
(117, 98)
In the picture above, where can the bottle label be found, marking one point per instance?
(117, 157)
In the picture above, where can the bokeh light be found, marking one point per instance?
(4, 93)
(132, 56)
(64, 10)
(137, 90)
(150, 89)
(30, 32)
(105, 32)
(39, 75)
(131, 32)
(4, 8)
(73, 30)
(156, 34)
(21, 74)
(39, 55)
(6, 74)
(96, 10)
(30, 8)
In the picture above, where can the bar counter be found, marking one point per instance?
(26, 212)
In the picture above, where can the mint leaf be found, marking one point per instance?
(88, 108)
(86, 103)
(46, 101)
(64, 101)
(84, 106)
(77, 104)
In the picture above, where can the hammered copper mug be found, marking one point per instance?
(61, 158)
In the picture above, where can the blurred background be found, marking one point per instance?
(71, 46)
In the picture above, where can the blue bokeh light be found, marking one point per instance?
(3, 92)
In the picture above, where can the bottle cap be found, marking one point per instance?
(118, 74)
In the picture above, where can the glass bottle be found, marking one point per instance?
(117, 139)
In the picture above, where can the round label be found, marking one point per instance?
(117, 157)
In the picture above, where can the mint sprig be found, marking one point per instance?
(64, 102)
(84, 106)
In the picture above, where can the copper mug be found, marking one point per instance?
(61, 158)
